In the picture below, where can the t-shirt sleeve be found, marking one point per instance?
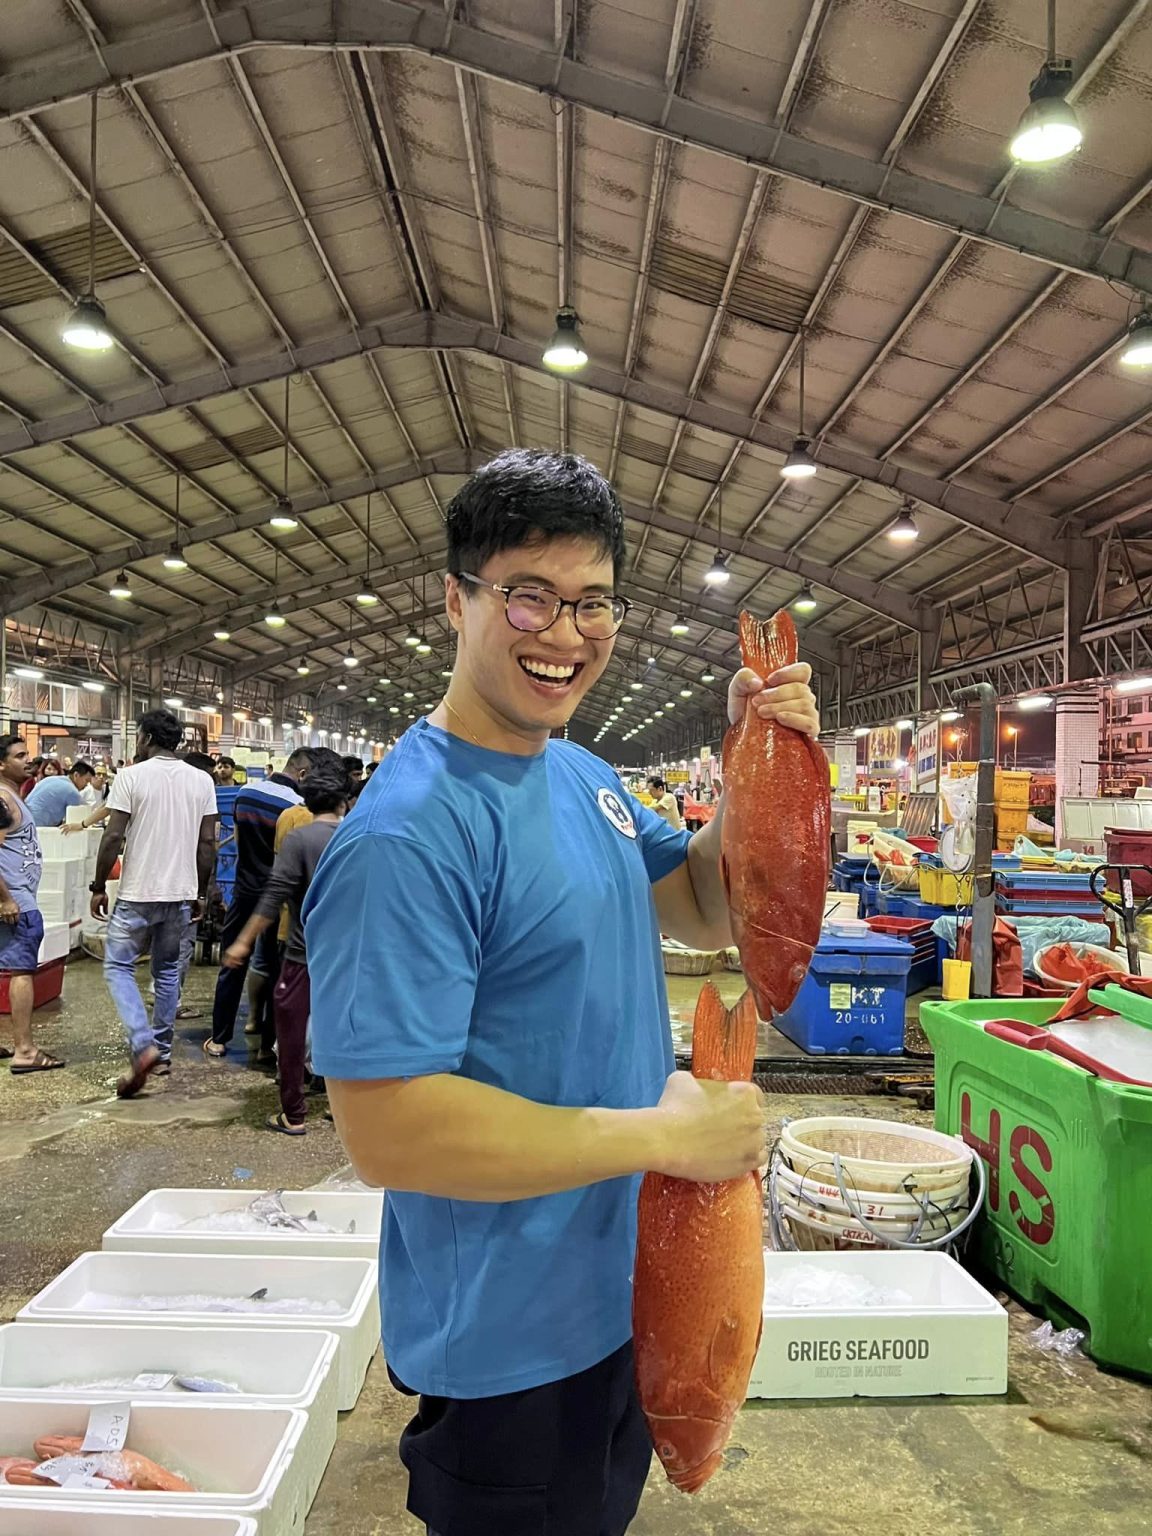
(120, 795)
(207, 796)
(664, 849)
(393, 936)
(288, 878)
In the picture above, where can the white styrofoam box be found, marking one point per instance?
(277, 1368)
(950, 1340)
(53, 906)
(75, 933)
(349, 1282)
(58, 1517)
(92, 840)
(244, 1460)
(79, 902)
(157, 1224)
(53, 843)
(62, 875)
(76, 813)
(55, 944)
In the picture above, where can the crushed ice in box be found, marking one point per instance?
(110, 1301)
(806, 1286)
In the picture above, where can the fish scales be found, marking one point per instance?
(776, 835)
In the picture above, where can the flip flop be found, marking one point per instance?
(41, 1062)
(5, 1053)
(214, 1050)
(281, 1123)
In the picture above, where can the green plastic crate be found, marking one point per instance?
(1069, 1159)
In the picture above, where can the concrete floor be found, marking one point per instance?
(72, 1161)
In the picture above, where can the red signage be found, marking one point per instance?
(1037, 1229)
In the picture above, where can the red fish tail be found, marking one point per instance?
(724, 1039)
(768, 644)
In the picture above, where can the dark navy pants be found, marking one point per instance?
(566, 1459)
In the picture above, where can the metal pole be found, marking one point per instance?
(983, 898)
(3, 671)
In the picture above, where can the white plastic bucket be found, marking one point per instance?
(877, 1205)
(1108, 959)
(880, 1155)
(934, 1224)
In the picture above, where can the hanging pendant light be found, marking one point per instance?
(1048, 129)
(800, 465)
(121, 588)
(423, 647)
(174, 560)
(718, 574)
(273, 617)
(283, 518)
(680, 625)
(566, 352)
(86, 327)
(805, 600)
(303, 668)
(903, 530)
(221, 634)
(365, 596)
(1137, 351)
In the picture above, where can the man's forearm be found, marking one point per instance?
(707, 882)
(462, 1140)
(205, 864)
(106, 858)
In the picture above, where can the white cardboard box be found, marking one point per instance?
(58, 1517)
(351, 1283)
(243, 1459)
(156, 1224)
(952, 1340)
(276, 1368)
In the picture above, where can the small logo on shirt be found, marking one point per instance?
(617, 812)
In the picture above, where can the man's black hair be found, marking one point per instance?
(528, 496)
(353, 764)
(220, 761)
(370, 769)
(324, 757)
(162, 727)
(6, 745)
(82, 768)
(303, 757)
(200, 760)
(657, 782)
(326, 789)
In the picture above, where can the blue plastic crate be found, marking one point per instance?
(852, 1000)
(927, 911)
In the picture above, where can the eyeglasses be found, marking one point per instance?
(533, 609)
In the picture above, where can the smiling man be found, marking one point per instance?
(489, 1013)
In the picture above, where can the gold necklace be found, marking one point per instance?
(455, 713)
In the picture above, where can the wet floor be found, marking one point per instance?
(72, 1160)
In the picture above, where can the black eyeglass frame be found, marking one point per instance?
(620, 605)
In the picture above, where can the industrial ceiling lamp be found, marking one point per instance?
(221, 634)
(283, 518)
(365, 596)
(423, 647)
(800, 465)
(1137, 351)
(121, 587)
(86, 327)
(174, 560)
(566, 352)
(350, 658)
(718, 574)
(805, 599)
(904, 530)
(303, 668)
(1048, 129)
(680, 625)
(274, 618)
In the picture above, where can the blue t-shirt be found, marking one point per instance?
(50, 799)
(492, 916)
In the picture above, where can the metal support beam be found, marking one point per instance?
(928, 647)
(1079, 590)
(372, 25)
(36, 589)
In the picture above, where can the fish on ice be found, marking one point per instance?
(59, 1458)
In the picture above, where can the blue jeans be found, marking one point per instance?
(129, 928)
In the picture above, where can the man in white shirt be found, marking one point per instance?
(162, 812)
(664, 804)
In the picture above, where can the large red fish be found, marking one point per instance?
(775, 839)
(699, 1281)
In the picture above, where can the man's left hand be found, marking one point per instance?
(784, 697)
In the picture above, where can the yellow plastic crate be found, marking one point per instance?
(1012, 789)
(944, 889)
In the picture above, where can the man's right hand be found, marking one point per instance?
(711, 1131)
(9, 911)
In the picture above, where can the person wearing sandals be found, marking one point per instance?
(327, 792)
(21, 925)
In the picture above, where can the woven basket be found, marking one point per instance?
(731, 958)
(688, 962)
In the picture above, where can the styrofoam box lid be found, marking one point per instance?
(280, 1367)
(870, 943)
(348, 1282)
(61, 1517)
(232, 1455)
(935, 1282)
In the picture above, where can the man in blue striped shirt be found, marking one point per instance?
(258, 805)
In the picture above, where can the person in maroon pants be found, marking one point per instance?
(327, 793)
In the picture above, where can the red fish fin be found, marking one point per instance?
(724, 1039)
(768, 644)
